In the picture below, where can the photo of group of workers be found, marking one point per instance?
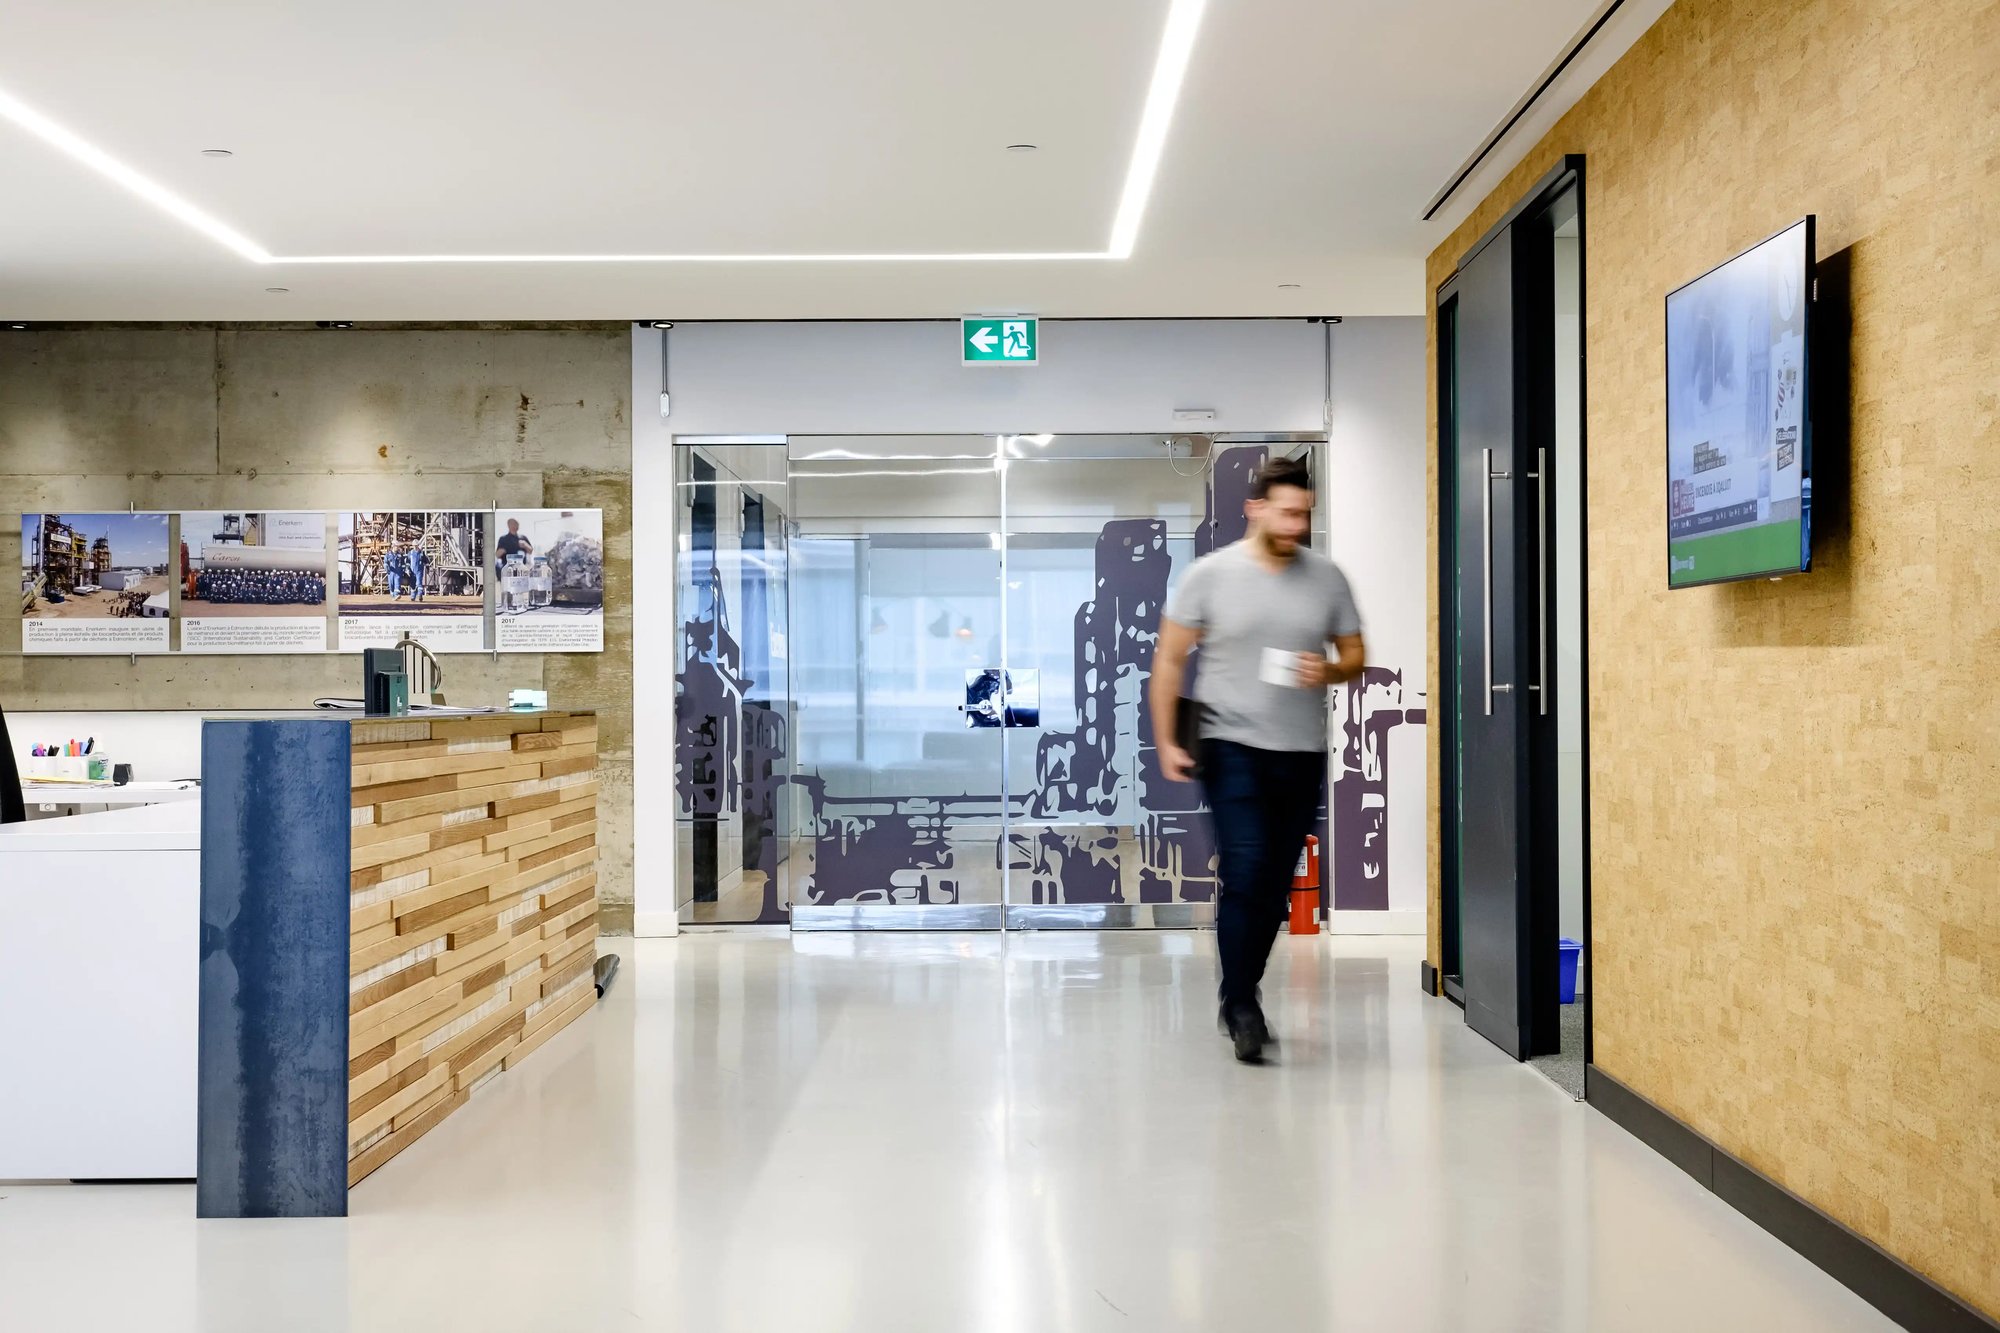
(550, 593)
(253, 582)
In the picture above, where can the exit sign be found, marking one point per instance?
(999, 340)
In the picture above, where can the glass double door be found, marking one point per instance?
(949, 729)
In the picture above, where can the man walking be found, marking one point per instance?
(1263, 610)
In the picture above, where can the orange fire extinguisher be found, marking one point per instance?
(1305, 890)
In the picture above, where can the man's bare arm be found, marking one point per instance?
(1351, 658)
(1164, 694)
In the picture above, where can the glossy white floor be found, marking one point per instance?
(1038, 1132)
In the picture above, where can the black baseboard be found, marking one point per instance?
(1857, 1263)
(1430, 978)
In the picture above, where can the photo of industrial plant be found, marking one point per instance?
(421, 562)
(94, 566)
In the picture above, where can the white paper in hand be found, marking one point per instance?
(1279, 667)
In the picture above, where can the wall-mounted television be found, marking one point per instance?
(1739, 435)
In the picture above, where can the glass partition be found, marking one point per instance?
(946, 724)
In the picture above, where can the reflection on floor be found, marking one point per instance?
(937, 1132)
(740, 899)
(1565, 1068)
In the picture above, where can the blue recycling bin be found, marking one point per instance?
(1566, 970)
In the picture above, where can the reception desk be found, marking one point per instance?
(98, 927)
(393, 912)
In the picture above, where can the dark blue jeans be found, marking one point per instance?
(1262, 803)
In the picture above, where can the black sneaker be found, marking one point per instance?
(1248, 1032)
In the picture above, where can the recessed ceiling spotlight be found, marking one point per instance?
(216, 152)
(1022, 147)
(334, 323)
(17, 323)
(657, 323)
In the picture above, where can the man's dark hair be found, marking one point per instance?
(1280, 472)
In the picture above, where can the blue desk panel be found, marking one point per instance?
(275, 831)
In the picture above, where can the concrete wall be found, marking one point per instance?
(1795, 926)
(176, 417)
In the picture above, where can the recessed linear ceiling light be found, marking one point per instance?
(1162, 95)
(1288, 286)
(216, 152)
(39, 125)
(1023, 147)
(277, 290)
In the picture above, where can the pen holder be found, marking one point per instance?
(38, 766)
(72, 768)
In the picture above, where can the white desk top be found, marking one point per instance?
(171, 826)
(85, 793)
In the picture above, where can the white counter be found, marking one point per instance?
(100, 930)
(132, 793)
(173, 823)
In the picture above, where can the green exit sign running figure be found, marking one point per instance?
(999, 340)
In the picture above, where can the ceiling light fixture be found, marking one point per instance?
(216, 152)
(656, 323)
(1288, 286)
(333, 323)
(277, 291)
(1169, 70)
(1162, 96)
(17, 324)
(1023, 147)
(159, 196)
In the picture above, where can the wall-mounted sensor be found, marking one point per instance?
(1193, 414)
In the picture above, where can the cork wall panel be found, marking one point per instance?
(1796, 786)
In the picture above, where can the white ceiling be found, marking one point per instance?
(1309, 136)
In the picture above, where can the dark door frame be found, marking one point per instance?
(1535, 385)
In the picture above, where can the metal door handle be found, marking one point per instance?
(1542, 581)
(1486, 569)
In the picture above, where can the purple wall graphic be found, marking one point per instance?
(1100, 824)
(1082, 771)
(708, 702)
(1373, 706)
(730, 740)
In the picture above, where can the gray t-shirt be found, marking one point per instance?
(1242, 608)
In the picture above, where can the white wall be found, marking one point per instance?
(1375, 507)
(1098, 377)
(654, 560)
(1103, 377)
(160, 746)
